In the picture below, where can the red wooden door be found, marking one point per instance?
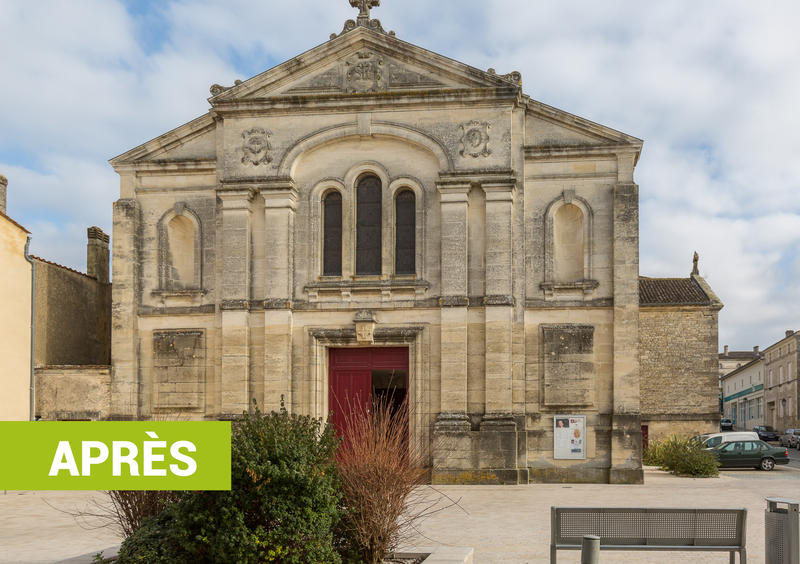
(350, 378)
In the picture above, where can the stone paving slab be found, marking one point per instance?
(511, 524)
(33, 532)
(504, 524)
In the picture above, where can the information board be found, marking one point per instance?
(569, 437)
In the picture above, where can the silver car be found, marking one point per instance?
(791, 438)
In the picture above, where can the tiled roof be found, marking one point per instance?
(738, 355)
(40, 259)
(671, 291)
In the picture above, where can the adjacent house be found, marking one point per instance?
(15, 330)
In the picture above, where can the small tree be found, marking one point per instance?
(379, 469)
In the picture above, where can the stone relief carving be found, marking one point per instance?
(217, 89)
(513, 76)
(365, 73)
(179, 368)
(568, 358)
(365, 326)
(255, 146)
(474, 139)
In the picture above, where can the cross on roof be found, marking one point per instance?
(364, 7)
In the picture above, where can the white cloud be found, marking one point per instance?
(710, 86)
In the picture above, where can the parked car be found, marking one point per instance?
(713, 439)
(725, 425)
(744, 454)
(791, 438)
(766, 433)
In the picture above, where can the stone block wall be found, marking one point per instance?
(677, 353)
(73, 392)
(73, 317)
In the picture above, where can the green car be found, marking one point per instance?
(755, 454)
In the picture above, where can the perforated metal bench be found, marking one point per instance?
(626, 528)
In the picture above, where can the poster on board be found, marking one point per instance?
(569, 437)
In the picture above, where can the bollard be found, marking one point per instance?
(590, 549)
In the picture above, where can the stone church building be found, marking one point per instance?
(372, 216)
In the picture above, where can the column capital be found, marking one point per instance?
(236, 196)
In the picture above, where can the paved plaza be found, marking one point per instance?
(509, 524)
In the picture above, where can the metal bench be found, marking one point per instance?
(637, 528)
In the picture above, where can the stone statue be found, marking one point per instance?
(695, 260)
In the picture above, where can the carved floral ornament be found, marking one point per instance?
(255, 146)
(475, 139)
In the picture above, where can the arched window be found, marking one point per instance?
(405, 233)
(368, 225)
(332, 235)
(568, 243)
(181, 255)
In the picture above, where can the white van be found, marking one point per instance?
(714, 439)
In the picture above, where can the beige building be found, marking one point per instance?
(781, 389)
(373, 219)
(743, 395)
(15, 329)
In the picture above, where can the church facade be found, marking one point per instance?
(372, 216)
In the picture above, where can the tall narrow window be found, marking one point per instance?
(332, 235)
(368, 226)
(568, 241)
(180, 234)
(405, 233)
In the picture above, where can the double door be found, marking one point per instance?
(361, 377)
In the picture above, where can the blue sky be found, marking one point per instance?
(712, 88)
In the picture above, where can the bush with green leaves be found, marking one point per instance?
(282, 507)
(681, 456)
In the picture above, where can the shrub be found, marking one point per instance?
(282, 505)
(379, 470)
(154, 542)
(682, 457)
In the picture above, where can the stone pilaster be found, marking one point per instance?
(626, 436)
(235, 300)
(124, 314)
(280, 200)
(499, 300)
(454, 301)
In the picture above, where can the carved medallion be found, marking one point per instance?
(255, 146)
(365, 73)
(475, 139)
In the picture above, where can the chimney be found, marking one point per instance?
(3, 186)
(726, 350)
(755, 349)
(789, 332)
(97, 254)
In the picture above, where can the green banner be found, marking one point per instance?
(115, 455)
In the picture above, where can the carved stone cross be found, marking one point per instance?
(364, 7)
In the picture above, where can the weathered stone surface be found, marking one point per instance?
(502, 336)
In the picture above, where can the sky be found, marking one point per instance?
(711, 87)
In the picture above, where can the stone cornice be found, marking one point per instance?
(433, 98)
(573, 151)
(170, 167)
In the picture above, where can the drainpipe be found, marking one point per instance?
(33, 322)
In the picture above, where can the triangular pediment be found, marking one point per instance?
(363, 61)
(192, 142)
